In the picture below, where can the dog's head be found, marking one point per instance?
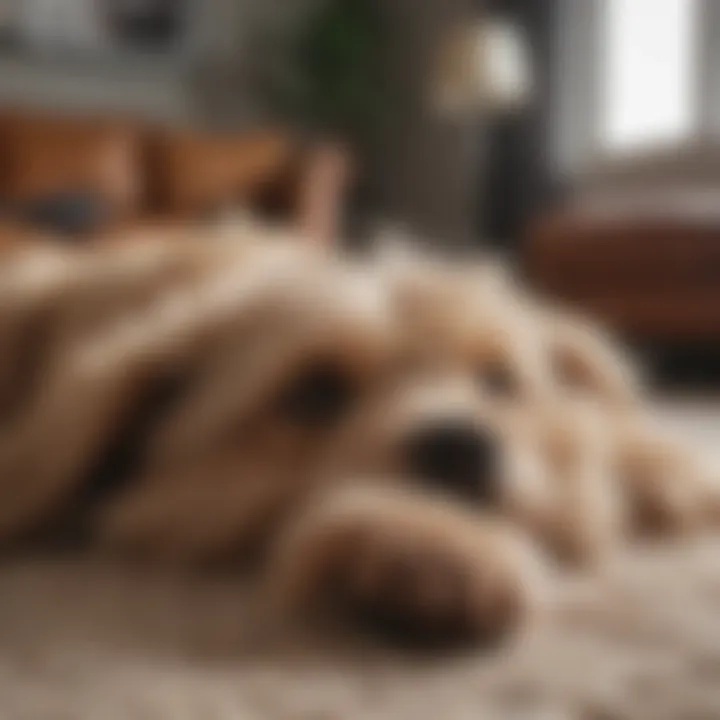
(311, 368)
(473, 410)
(467, 365)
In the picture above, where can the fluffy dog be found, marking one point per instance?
(413, 443)
(194, 402)
(525, 413)
(182, 342)
(564, 376)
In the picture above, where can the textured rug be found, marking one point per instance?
(84, 641)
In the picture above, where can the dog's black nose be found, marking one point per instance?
(455, 456)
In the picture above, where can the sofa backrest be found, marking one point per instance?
(136, 170)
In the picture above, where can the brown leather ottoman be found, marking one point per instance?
(648, 266)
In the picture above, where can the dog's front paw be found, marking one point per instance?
(668, 488)
(416, 590)
(410, 571)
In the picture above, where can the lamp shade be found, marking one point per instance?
(481, 66)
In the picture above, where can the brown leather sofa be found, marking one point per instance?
(649, 266)
(137, 176)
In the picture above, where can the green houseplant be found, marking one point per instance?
(328, 71)
(324, 77)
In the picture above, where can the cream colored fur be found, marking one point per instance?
(333, 509)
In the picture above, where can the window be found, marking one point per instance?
(648, 72)
(634, 75)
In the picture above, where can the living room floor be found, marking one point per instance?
(697, 414)
(80, 640)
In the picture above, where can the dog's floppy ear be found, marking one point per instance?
(586, 358)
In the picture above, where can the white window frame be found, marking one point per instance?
(576, 132)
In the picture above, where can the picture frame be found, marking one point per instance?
(152, 25)
(58, 25)
(95, 26)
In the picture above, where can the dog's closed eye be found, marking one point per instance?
(497, 380)
(319, 396)
(573, 372)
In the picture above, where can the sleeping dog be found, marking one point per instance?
(415, 444)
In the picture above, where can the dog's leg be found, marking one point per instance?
(670, 488)
(221, 507)
(50, 301)
(104, 286)
(559, 482)
(79, 405)
(586, 521)
(584, 359)
(410, 568)
(86, 395)
(28, 288)
(47, 454)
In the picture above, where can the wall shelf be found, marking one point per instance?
(154, 87)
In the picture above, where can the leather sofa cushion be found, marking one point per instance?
(46, 155)
(649, 268)
(586, 252)
(196, 173)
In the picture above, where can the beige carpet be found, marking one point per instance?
(80, 641)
